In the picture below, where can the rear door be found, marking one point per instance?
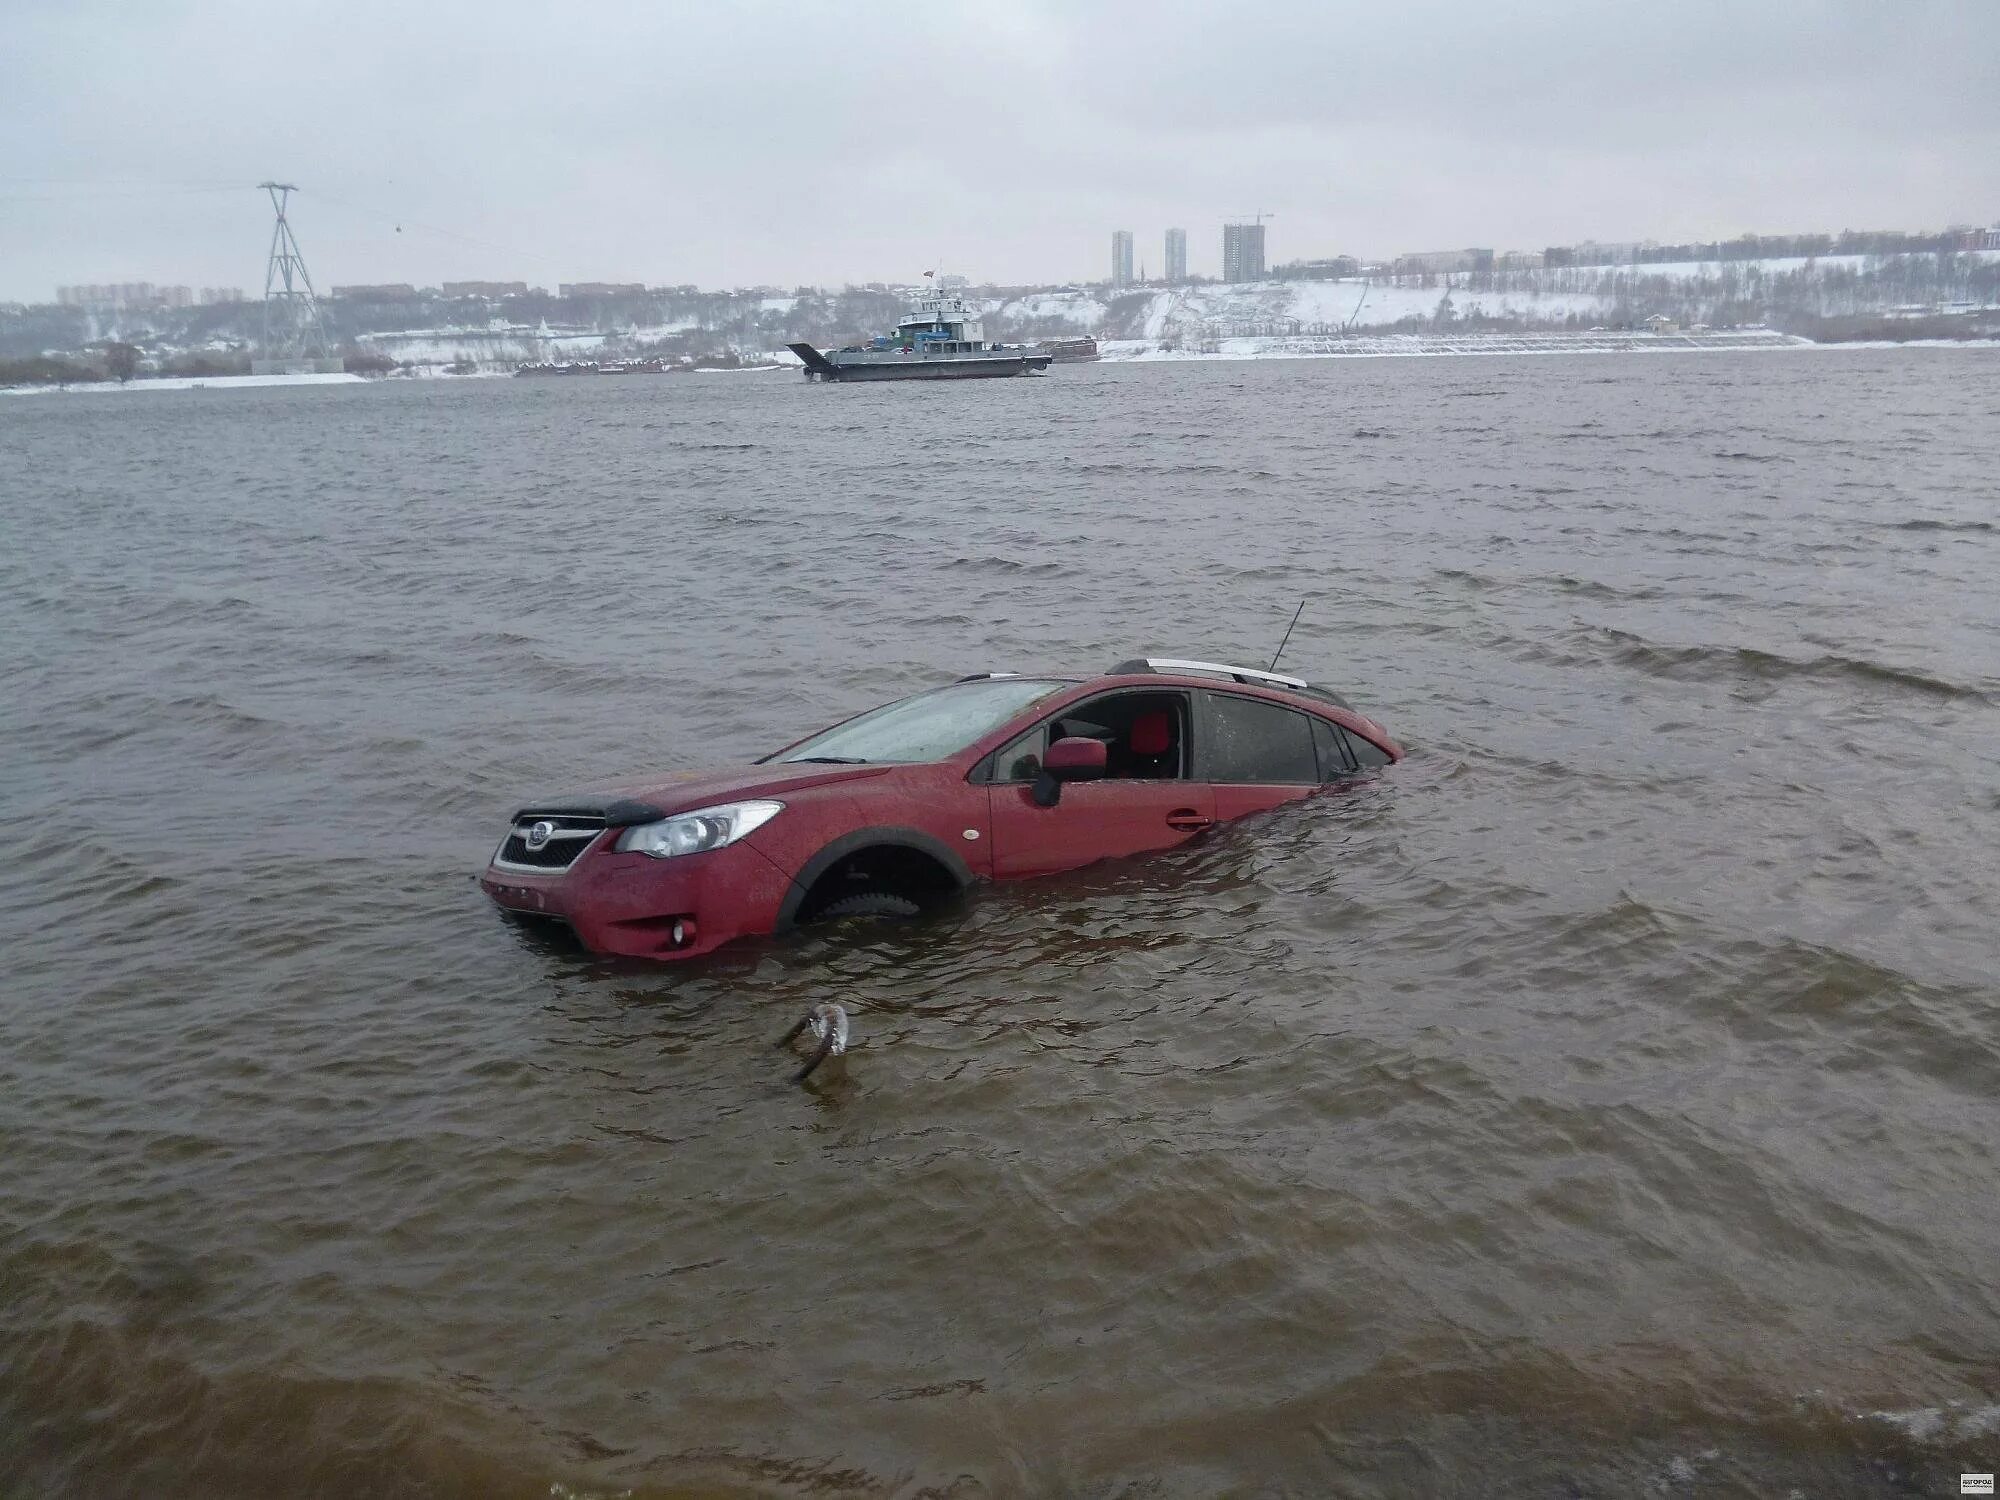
(1093, 820)
(1255, 753)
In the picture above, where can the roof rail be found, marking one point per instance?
(981, 676)
(1145, 664)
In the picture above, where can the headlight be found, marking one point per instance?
(698, 832)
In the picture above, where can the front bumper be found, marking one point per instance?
(630, 904)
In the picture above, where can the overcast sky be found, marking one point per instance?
(734, 144)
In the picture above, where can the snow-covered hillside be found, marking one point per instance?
(1733, 291)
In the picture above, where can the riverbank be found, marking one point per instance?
(186, 383)
(1352, 346)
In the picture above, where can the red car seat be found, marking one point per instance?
(1152, 745)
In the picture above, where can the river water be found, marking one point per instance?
(1602, 1102)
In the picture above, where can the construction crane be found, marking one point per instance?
(1257, 218)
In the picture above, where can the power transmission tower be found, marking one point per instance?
(292, 326)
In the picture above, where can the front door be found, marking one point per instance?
(1094, 820)
(1146, 802)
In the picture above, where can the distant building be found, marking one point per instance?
(1242, 252)
(1520, 260)
(1557, 256)
(1420, 261)
(1660, 323)
(1176, 256)
(117, 296)
(214, 296)
(387, 291)
(1611, 253)
(486, 288)
(602, 288)
(1121, 257)
(1334, 268)
(951, 281)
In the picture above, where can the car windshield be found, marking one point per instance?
(927, 727)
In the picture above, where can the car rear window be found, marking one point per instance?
(1250, 740)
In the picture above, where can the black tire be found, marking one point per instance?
(868, 904)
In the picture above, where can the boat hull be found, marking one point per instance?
(836, 366)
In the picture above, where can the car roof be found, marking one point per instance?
(1192, 672)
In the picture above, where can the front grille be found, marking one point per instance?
(565, 837)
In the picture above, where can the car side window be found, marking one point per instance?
(1252, 741)
(1366, 755)
(1021, 759)
(1144, 734)
(1331, 743)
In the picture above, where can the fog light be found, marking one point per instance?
(681, 933)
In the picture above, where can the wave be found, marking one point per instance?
(1008, 565)
(1925, 524)
(1768, 666)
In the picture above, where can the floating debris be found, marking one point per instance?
(828, 1024)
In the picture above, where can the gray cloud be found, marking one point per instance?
(734, 144)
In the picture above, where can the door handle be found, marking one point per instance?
(1188, 819)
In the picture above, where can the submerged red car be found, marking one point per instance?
(887, 813)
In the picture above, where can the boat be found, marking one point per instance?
(655, 366)
(1071, 351)
(940, 338)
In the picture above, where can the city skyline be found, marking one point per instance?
(1959, 236)
(1505, 129)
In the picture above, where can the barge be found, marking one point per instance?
(1071, 351)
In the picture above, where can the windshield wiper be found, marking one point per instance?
(828, 760)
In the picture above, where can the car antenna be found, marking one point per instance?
(1288, 636)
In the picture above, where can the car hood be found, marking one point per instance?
(662, 796)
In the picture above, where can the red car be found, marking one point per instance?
(993, 777)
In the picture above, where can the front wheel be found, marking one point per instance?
(868, 904)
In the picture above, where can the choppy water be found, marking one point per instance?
(1600, 1103)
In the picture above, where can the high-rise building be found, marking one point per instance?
(1176, 255)
(1121, 257)
(1242, 252)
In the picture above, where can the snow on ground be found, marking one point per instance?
(192, 383)
(1079, 309)
(1336, 304)
(1434, 344)
(513, 345)
(1778, 265)
(1360, 304)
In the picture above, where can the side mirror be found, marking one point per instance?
(1072, 759)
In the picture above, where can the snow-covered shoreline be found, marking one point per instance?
(187, 383)
(1406, 345)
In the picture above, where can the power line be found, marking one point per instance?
(449, 234)
(104, 190)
